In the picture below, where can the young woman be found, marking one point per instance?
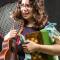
(33, 15)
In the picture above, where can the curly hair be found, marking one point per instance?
(39, 13)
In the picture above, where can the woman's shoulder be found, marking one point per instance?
(50, 26)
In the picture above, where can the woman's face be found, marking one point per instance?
(26, 9)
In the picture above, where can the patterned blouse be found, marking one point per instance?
(50, 27)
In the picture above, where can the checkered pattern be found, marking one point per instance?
(5, 20)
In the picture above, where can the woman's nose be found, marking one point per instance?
(24, 9)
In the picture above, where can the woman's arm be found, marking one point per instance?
(48, 49)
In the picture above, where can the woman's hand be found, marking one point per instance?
(30, 47)
(10, 34)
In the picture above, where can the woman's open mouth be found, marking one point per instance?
(25, 14)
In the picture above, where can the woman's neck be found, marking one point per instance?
(30, 23)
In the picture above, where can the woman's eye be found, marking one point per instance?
(26, 5)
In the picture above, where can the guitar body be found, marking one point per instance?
(39, 38)
(6, 53)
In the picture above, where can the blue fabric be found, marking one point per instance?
(27, 30)
(21, 53)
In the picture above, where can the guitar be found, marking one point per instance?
(40, 37)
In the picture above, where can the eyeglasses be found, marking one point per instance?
(25, 5)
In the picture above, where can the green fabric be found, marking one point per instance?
(46, 41)
(45, 36)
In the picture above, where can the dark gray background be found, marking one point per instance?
(53, 9)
